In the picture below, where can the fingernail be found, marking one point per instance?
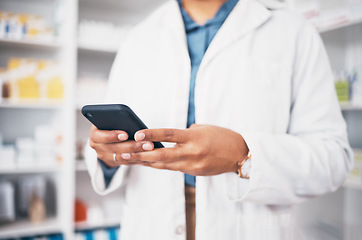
(126, 155)
(122, 136)
(140, 136)
(147, 147)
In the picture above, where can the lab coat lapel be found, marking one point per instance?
(173, 20)
(246, 16)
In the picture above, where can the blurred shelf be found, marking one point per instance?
(80, 166)
(32, 169)
(350, 107)
(24, 228)
(353, 184)
(31, 43)
(31, 104)
(340, 24)
(354, 181)
(81, 226)
(99, 49)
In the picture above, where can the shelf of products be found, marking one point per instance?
(27, 79)
(28, 29)
(24, 228)
(37, 57)
(42, 151)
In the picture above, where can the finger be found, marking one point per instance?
(157, 155)
(128, 163)
(172, 166)
(123, 147)
(113, 161)
(162, 135)
(181, 166)
(102, 136)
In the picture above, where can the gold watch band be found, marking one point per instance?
(240, 164)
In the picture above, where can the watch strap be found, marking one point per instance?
(240, 165)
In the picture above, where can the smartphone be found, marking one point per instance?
(115, 117)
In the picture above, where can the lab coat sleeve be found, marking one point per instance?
(94, 168)
(314, 156)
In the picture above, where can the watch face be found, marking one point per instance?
(246, 168)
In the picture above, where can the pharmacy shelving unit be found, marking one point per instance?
(337, 215)
(19, 119)
(96, 61)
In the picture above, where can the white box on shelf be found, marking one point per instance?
(90, 34)
(95, 215)
(45, 146)
(25, 151)
(7, 157)
(7, 202)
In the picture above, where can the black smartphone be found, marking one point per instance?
(115, 117)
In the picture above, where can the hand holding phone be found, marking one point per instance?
(115, 117)
(112, 145)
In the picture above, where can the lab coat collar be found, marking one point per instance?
(246, 16)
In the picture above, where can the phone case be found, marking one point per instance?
(115, 117)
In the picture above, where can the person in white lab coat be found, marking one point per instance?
(264, 89)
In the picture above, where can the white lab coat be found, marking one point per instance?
(266, 76)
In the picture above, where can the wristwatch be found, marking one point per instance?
(244, 167)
